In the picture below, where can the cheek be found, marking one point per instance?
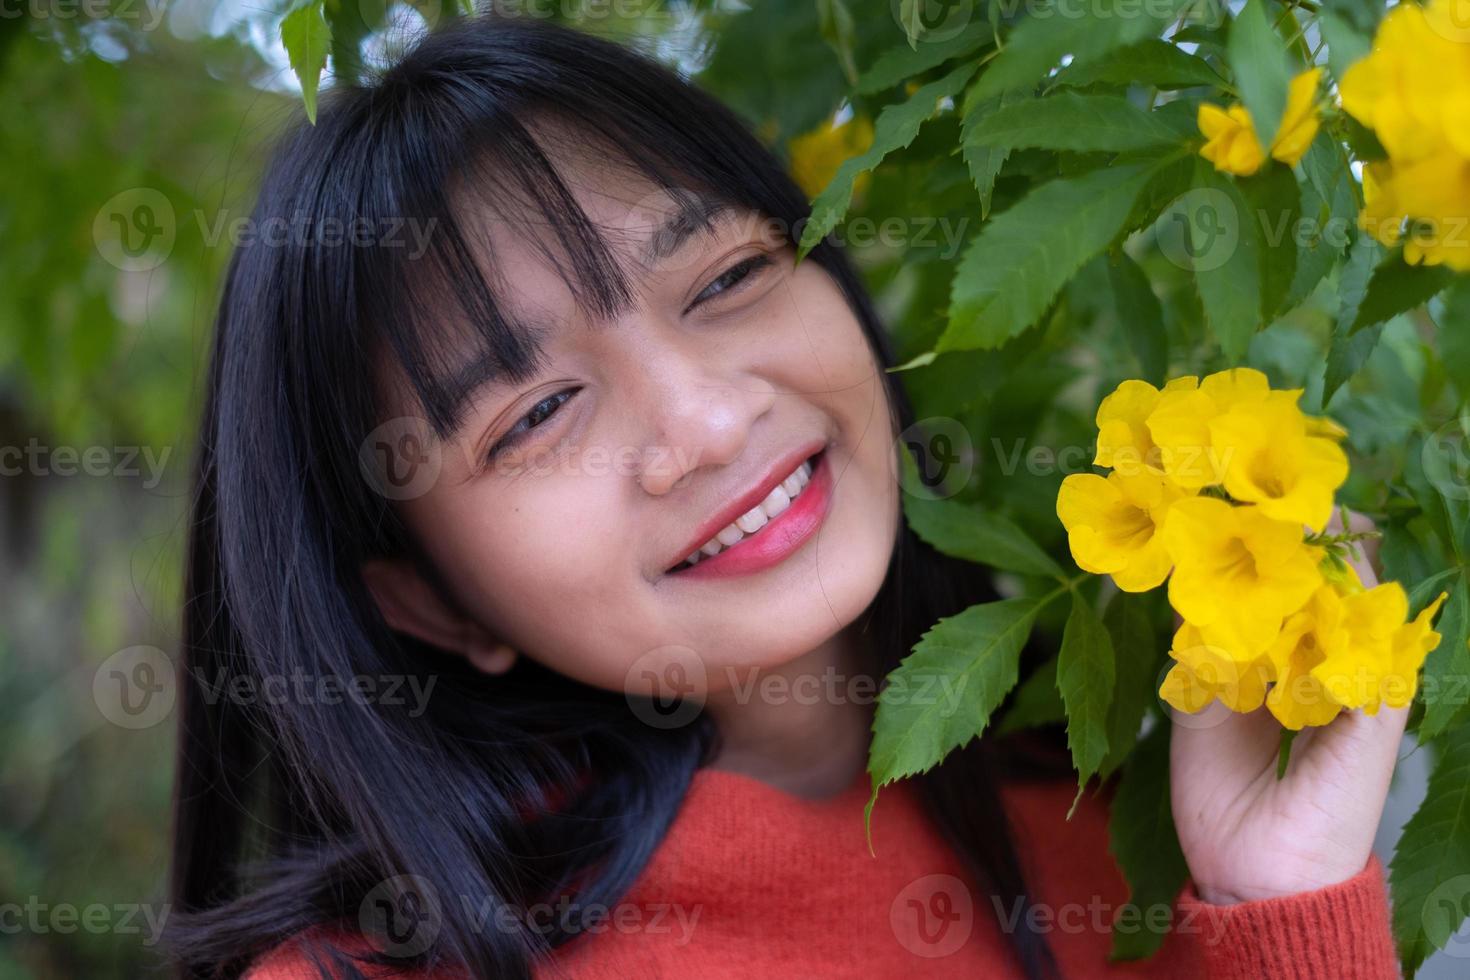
(544, 563)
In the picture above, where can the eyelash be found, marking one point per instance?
(730, 279)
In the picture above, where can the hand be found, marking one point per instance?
(1248, 836)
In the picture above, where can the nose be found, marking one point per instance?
(697, 412)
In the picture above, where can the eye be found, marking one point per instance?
(731, 278)
(539, 413)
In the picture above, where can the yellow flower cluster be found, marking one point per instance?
(1413, 91)
(817, 155)
(1224, 487)
(1232, 145)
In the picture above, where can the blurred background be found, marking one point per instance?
(133, 133)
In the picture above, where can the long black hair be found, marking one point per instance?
(292, 812)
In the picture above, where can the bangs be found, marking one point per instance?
(463, 158)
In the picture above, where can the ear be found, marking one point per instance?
(410, 605)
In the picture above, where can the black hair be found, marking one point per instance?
(289, 815)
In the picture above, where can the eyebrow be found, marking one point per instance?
(696, 215)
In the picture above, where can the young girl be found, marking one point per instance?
(547, 550)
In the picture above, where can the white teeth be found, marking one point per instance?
(756, 518)
(752, 520)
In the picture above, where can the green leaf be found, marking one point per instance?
(1448, 666)
(1397, 287)
(1071, 121)
(1141, 318)
(1142, 838)
(896, 127)
(1009, 275)
(1348, 353)
(1454, 337)
(1257, 57)
(963, 531)
(1275, 202)
(1430, 872)
(306, 38)
(983, 160)
(1283, 752)
(1037, 702)
(898, 65)
(1152, 62)
(1085, 677)
(1345, 44)
(1137, 653)
(942, 694)
(1086, 33)
(835, 25)
(1229, 290)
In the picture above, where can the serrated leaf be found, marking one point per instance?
(895, 128)
(1447, 667)
(1143, 840)
(1397, 287)
(1071, 121)
(983, 161)
(1275, 202)
(305, 35)
(1347, 352)
(1152, 62)
(897, 65)
(963, 531)
(1429, 875)
(1229, 290)
(943, 693)
(1037, 702)
(1085, 677)
(1454, 337)
(1140, 317)
(1137, 653)
(1039, 42)
(1257, 57)
(1009, 275)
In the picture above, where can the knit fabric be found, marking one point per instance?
(753, 882)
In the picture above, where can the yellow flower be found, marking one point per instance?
(1232, 145)
(1204, 672)
(1412, 642)
(1299, 698)
(1112, 525)
(1123, 440)
(817, 155)
(1413, 91)
(1237, 572)
(1270, 459)
(1180, 425)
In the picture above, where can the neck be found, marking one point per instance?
(801, 727)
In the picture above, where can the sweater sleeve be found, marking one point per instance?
(1338, 931)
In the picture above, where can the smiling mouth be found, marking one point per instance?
(753, 524)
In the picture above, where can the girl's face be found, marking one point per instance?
(567, 505)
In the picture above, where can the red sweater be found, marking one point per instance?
(753, 882)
